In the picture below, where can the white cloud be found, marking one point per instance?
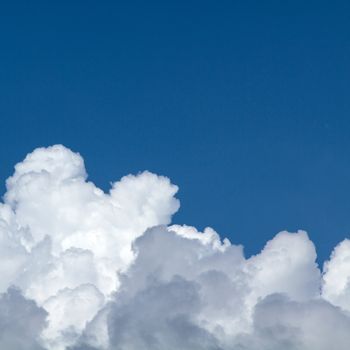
(103, 271)
(336, 279)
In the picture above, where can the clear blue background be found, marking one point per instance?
(243, 104)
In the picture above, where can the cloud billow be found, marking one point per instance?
(84, 269)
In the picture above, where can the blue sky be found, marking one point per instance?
(244, 105)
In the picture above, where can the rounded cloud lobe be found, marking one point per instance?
(85, 269)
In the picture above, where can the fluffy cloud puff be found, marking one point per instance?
(95, 270)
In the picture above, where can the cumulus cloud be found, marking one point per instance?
(21, 322)
(96, 270)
